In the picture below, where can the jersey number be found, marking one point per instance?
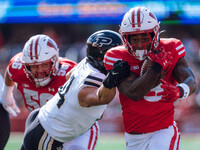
(63, 90)
(17, 64)
(35, 100)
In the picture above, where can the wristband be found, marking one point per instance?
(185, 90)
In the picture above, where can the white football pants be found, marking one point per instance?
(164, 139)
(87, 141)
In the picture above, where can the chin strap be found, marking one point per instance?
(96, 64)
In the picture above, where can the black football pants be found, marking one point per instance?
(36, 138)
(4, 127)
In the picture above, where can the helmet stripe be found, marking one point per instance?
(138, 17)
(133, 18)
(31, 50)
(36, 48)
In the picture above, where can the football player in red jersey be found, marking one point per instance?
(38, 72)
(148, 102)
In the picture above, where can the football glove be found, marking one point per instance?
(170, 92)
(121, 70)
(8, 101)
(161, 57)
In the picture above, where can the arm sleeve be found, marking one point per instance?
(94, 79)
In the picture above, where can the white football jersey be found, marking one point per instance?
(62, 116)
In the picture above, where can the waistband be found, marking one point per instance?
(135, 133)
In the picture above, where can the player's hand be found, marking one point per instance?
(170, 92)
(121, 70)
(161, 57)
(10, 106)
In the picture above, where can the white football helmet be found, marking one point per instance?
(140, 20)
(40, 49)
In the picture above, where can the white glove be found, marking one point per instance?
(8, 101)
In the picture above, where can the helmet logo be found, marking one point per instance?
(100, 41)
(51, 44)
(152, 15)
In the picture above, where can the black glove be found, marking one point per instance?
(121, 70)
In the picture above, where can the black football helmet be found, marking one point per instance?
(98, 44)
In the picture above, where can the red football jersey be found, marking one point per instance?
(37, 97)
(147, 114)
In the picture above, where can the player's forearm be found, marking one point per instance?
(184, 74)
(93, 96)
(7, 92)
(136, 88)
(105, 95)
(8, 81)
(188, 85)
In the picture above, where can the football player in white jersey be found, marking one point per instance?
(80, 102)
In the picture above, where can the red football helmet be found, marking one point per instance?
(40, 49)
(140, 20)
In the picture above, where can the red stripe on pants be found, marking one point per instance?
(171, 147)
(96, 137)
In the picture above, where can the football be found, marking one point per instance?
(146, 65)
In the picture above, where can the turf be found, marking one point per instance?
(113, 142)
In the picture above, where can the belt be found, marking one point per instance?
(135, 133)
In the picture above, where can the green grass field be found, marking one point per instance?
(109, 141)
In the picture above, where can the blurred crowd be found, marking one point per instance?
(71, 39)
